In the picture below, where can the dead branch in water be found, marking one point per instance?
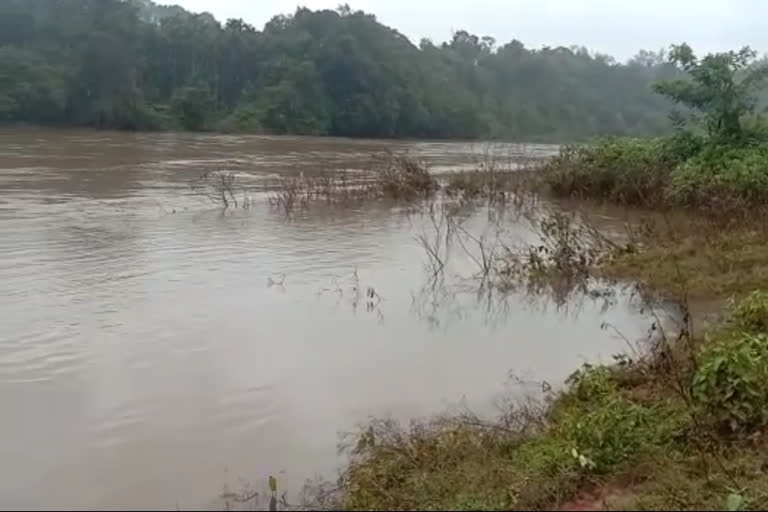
(218, 186)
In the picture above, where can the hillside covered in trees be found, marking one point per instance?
(132, 64)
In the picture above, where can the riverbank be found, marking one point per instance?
(676, 423)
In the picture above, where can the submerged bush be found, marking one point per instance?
(731, 381)
(402, 177)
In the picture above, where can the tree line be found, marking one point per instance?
(133, 64)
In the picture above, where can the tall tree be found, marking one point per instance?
(722, 86)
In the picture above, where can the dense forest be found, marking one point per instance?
(132, 64)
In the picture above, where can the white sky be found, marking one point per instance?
(616, 27)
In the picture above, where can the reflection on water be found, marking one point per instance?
(149, 357)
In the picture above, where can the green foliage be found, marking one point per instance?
(751, 313)
(193, 107)
(605, 429)
(735, 502)
(684, 170)
(721, 86)
(727, 169)
(117, 63)
(245, 119)
(31, 86)
(731, 378)
(590, 384)
(721, 173)
(611, 434)
(630, 171)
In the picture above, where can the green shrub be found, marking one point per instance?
(193, 107)
(610, 434)
(631, 171)
(245, 119)
(604, 429)
(751, 313)
(732, 381)
(681, 146)
(721, 173)
(590, 384)
(549, 472)
(684, 169)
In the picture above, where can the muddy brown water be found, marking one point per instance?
(148, 358)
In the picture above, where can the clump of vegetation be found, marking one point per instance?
(402, 177)
(731, 380)
(614, 433)
(562, 263)
(719, 158)
(723, 175)
(627, 171)
(751, 313)
(393, 176)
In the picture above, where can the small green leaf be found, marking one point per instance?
(734, 502)
(272, 483)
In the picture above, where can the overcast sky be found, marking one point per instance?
(616, 27)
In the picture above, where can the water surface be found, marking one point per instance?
(146, 361)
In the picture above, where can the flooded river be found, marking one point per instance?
(150, 356)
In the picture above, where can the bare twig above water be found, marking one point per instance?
(219, 187)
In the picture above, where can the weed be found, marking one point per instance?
(751, 313)
(731, 380)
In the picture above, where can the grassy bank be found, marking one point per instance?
(682, 256)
